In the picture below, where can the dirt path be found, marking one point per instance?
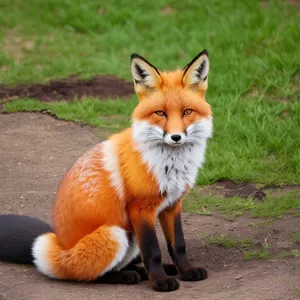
(36, 150)
(67, 89)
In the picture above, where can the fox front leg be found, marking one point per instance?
(170, 220)
(144, 227)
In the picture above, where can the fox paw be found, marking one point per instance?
(140, 270)
(130, 277)
(120, 277)
(194, 274)
(166, 285)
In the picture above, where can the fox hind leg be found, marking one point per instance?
(122, 274)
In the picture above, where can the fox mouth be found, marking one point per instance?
(175, 144)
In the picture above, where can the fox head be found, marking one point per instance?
(172, 109)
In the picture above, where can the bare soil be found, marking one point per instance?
(68, 89)
(229, 188)
(296, 2)
(36, 150)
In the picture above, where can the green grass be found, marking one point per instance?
(111, 114)
(296, 237)
(277, 206)
(98, 36)
(263, 224)
(226, 241)
(265, 254)
(292, 253)
(298, 272)
(255, 69)
(256, 254)
(273, 206)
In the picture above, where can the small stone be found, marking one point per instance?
(3, 68)
(259, 196)
(100, 11)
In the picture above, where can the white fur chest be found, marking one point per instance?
(175, 168)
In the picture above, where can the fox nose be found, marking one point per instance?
(176, 137)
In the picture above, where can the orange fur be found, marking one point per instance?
(166, 219)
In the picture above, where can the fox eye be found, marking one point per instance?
(187, 112)
(160, 113)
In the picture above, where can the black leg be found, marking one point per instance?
(187, 271)
(170, 269)
(152, 260)
(172, 227)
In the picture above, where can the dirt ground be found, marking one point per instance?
(68, 89)
(36, 150)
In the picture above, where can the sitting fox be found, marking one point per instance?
(107, 204)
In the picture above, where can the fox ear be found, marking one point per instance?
(145, 76)
(195, 74)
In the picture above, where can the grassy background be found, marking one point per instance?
(254, 80)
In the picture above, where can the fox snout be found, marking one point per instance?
(175, 139)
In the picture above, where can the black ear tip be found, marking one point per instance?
(135, 55)
(204, 52)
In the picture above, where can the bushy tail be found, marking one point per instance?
(29, 240)
(92, 256)
(17, 235)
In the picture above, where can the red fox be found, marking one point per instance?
(107, 204)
